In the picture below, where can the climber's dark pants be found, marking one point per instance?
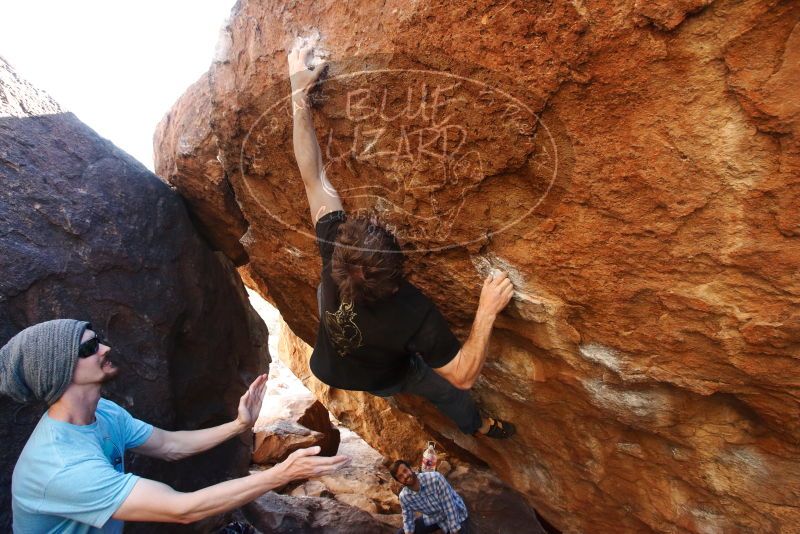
(457, 404)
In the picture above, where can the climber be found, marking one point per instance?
(432, 495)
(378, 333)
(70, 476)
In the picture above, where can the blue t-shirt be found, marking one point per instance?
(70, 478)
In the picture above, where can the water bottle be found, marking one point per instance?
(429, 457)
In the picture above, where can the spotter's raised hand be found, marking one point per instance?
(250, 403)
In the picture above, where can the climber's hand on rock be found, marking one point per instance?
(496, 293)
(302, 78)
(304, 463)
(250, 403)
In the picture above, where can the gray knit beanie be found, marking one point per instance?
(37, 363)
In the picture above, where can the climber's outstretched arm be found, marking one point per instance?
(322, 197)
(463, 370)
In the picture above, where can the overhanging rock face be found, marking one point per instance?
(634, 166)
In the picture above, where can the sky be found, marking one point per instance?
(118, 65)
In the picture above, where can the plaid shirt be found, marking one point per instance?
(436, 499)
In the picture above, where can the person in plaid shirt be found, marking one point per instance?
(431, 494)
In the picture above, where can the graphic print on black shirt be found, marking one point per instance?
(369, 347)
(343, 329)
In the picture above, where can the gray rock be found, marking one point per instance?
(89, 233)
(494, 507)
(273, 513)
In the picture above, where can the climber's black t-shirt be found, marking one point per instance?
(369, 347)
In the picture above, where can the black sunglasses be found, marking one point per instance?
(89, 347)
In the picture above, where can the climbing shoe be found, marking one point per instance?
(499, 429)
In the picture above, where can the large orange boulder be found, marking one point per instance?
(634, 165)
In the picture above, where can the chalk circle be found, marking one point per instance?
(268, 118)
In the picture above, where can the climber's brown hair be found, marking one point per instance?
(367, 263)
(396, 466)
